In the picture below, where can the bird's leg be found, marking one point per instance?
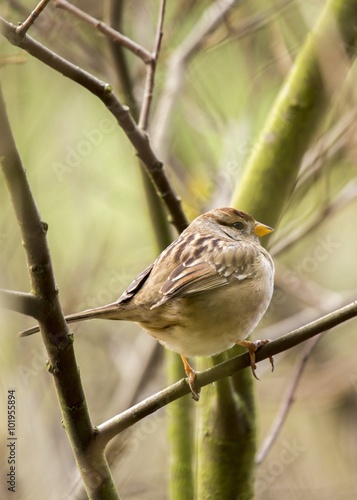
(191, 375)
(252, 348)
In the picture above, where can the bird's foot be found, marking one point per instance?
(252, 348)
(191, 375)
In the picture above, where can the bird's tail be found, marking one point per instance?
(106, 312)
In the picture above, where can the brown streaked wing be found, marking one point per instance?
(135, 285)
(222, 262)
(190, 280)
(193, 279)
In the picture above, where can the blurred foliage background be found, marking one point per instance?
(88, 187)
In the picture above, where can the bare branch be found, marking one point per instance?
(211, 18)
(120, 60)
(134, 47)
(55, 333)
(332, 142)
(156, 208)
(291, 236)
(307, 290)
(117, 424)
(150, 76)
(328, 303)
(287, 401)
(327, 146)
(258, 21)
(104, 92)
(26, 25)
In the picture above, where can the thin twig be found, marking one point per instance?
(150, 75)
(292, 235)
(257, 21)
(326, 147)
(120, 60)
(26, 25)
(307, 315)
(134, 47)
(295, 283)
(104, 92)
(117, 424)
(209, 21)
(287, 401)
(156, 211)
(328, 303)
(149, 352)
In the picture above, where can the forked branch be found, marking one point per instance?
(117, 424)
(138, 138)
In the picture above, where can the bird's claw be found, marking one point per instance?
(191, 376)
(252, 348)
(192, 383)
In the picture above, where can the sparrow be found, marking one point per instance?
(205, 293)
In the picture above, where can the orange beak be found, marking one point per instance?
(261, 229)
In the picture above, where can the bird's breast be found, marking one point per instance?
(209, 323)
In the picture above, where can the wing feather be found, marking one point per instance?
(136, 285)
(213, 267)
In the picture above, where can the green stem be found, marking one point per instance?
(180, 435)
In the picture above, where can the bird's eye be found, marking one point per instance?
(239, 225)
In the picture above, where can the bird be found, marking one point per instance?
(205, 293)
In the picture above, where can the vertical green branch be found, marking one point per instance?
(225, 441)
(180, 434)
